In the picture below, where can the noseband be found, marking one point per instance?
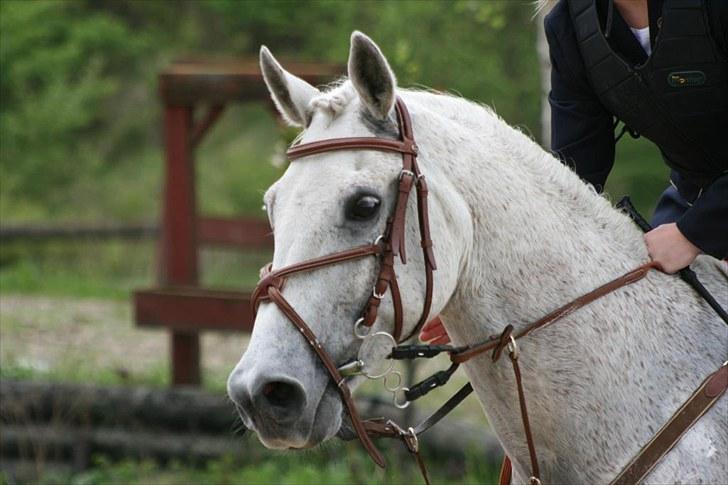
(386, 247)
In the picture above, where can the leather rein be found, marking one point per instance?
(392, 244)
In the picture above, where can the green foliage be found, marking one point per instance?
(639, 172)
(57, 77)
(344, 463)
(482, 50)
(79, 120)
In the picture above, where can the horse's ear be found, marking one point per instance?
(290, 94)
(371, 75)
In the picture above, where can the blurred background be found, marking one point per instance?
(82, 167)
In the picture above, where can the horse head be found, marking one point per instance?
(324, 204)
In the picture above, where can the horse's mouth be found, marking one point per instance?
(287, 437)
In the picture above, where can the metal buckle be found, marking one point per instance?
(534, 481)
(410, 437)
(376, 295)
(379, 239)
(407, 172)
(512, 347)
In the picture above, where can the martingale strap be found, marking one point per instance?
(712, 388)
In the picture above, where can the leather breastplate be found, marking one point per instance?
(678, 98)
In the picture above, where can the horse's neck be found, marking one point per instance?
(540, 239)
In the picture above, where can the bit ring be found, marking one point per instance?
(388, 369)
(388, 386)
(358, 325)
(404, 404)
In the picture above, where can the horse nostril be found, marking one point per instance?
(279, 393)
(281, 400)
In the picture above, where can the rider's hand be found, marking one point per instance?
(434, 332)
(668, 247)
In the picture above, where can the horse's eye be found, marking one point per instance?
(362, 208)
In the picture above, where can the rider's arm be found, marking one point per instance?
(705, 224)
(582, 134)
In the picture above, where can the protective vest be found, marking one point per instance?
(678, 98)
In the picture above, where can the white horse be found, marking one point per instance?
(516, 235)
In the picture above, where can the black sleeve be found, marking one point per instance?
(582, 134)
(718, 17)
(705, 224)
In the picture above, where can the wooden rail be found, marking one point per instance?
(242, 232)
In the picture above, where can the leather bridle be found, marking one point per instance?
(387, 246)
(392, 244)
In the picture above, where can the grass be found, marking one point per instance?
(111, 269)
(341, 464)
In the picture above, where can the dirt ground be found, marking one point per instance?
(95, 341)
(80, 337)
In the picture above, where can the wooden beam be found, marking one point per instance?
(245, 232)
(190, 309)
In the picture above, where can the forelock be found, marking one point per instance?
(334, 101)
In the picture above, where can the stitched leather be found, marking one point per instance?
(352, 143)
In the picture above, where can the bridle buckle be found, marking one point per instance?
(409, 173)
(411, 440)
(408, 436)
(512, 348)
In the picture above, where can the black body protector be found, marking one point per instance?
(678, 98)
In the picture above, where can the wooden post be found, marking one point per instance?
(178, 261)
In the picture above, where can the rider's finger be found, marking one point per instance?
(444, 339)
(432, 332)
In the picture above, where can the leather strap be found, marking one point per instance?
(469, 351)
(445, 409)
(535, 473)
(277, 278)
(506, 472)
(406, 146)
(712, 388)
(276, 296)
(699, 403)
